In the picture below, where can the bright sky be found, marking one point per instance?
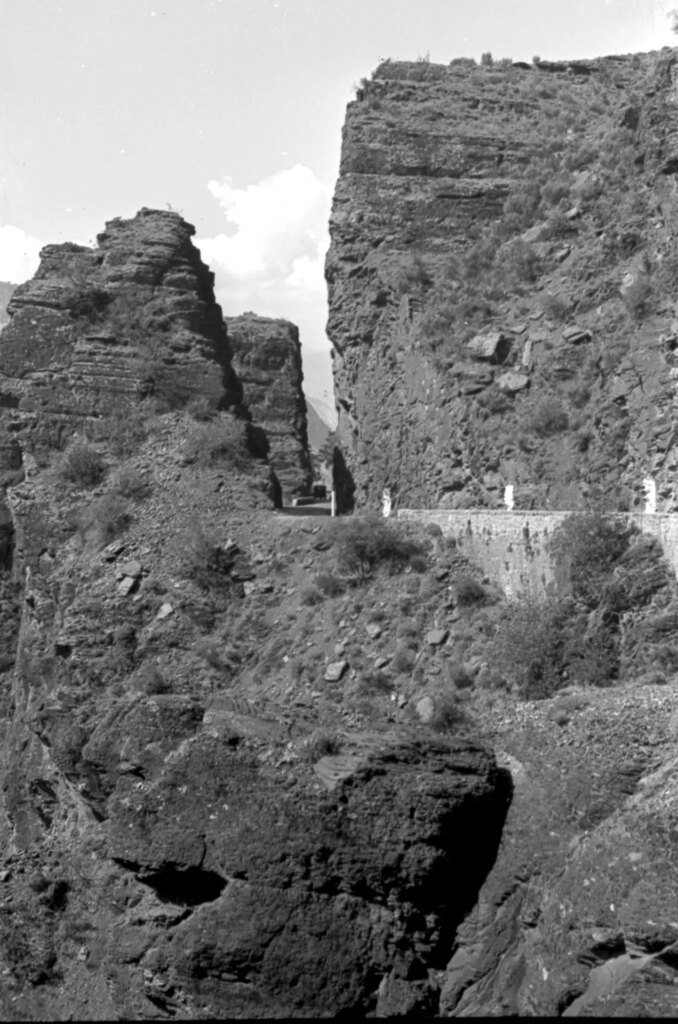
(231, 111)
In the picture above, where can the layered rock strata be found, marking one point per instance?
(97, 329)
(170, 845)
(502, 279)
(267, 359)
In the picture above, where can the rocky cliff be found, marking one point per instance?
(502, 282)
(208, 805)
(267, 360)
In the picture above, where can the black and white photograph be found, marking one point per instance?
(338, 509)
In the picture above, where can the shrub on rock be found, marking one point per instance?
(106, 518)
(319, 744)
(82, 464)
(363, 544)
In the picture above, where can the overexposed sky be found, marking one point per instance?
(231, 112)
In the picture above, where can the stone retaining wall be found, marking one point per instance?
(513, 547)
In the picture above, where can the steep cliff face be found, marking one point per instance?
(267, 360)
(105, 352)
(502, 283)
(577, 917)
(181, 832)
(98, 329)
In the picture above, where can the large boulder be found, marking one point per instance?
(578, 916)
(305, 898)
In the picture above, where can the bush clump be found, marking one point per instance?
(469, 591)
(124, 432)
(151, 680)
(210, 652)
(555, 307)
(403, 660)
(205, 560)
(88, 303)
(202, 408)
(82, 464)
(130, 483)
(549, 418)
(375, 681)
(106, 518)
(328, 584)
(319, 744)
(588, 638)
(586, 547)
(362, 544)
(448, 714)
(221, 440)
(531, 645)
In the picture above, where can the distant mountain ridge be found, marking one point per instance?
(322, 421)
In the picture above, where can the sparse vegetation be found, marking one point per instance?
(211, 652)
(321, 743)
(151, 680)
(468, 590)
(364, 543)
(586, 547)
(555, 306)
(130, 483)
(204, 559)
(83, 465)
(310, 596)
(123, 431)
(635, 292)
(532, 646)
(375, 682)
(403, 660)
(88, 302)
(549, 418)
(412, 276)
(328, 584)
(202, 408)
(582, 638)
(458, 676)
(106, 518)
(445, 646)
(219, 441)
(448, 714)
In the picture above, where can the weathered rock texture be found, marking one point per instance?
(267, 360)
(513, 548)
(98, 329)
(578, 916)
(178, 835)
(296, 894)
(502, 283)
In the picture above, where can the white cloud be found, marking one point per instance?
(270, 259)
(19, 254)
(309, 272)
(279, 220)
(655, 30)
